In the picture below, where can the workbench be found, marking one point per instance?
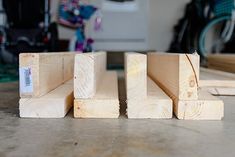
(111, 137)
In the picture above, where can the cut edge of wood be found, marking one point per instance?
(105, 103)
(207, 107)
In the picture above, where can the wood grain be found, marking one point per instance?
(217, 82)
(136, 75)
(176, 74)
(144, 98)
(216, 78)
(207, 107)
(224, 62)
(89, 70)
(157, 105)
(55, 104)
(49, 70)
(105, 102)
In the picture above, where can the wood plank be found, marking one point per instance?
(156, 105)
(40, 73)
(136, 75)
(104, 104)
(144, 98)
(55, 104)
(207, 107)
(220, 91)
(176, 74)
(217, 82)
(89, 70)
(215, 78)
(224, 62)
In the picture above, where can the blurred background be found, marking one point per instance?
(115, 26)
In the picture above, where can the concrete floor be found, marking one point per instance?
(111, 137)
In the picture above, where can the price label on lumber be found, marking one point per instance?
(26, 81)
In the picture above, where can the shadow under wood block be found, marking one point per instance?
(144, 98)
(95, 89)
(55, 104)
(178, 76)
(122, 94)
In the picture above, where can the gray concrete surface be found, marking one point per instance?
(70, 137)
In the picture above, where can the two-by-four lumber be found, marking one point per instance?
(217, 82)
(224, 62)
(89, 69)
(55, 104)
(178, 74)
(136, 75)
(95, 89)
(144, 98)
(216, 78)
(207, 107)
(157, 105)
(105, 102)
(40, 73)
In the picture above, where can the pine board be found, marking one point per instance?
(55, 104)
(89, 70)
(105, 102)
(178, 74)
(40, 73)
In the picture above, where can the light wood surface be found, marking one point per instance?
(177, 74)
(217, 82)
(216, 78)
(207, 107)
(224, 62)
(136, 75)
(144, 98)
(48, 71)
(89, 70)
(55, 104)
(105, 102)
(156, 105)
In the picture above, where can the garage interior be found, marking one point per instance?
(117, 78)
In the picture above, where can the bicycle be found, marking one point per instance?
(222, 26)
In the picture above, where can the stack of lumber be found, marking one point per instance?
(178, 76)
(144, 98)
(95, 89)
(46, 88)
(224, 62)
(217, 82)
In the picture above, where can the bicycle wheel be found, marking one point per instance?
(215, 24)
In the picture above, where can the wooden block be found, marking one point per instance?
(89, 70)
(224, 62)
(207, 107)
(156, 105)
(176, 74)
(144, 98)
(136, 75)
(217, 82)
(55, 104)
(215, 78)
(104, 104)
(40, 73)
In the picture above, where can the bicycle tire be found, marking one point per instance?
(201, 46)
